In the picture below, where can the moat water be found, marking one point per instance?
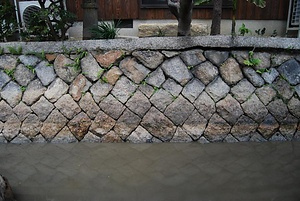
(153, 172)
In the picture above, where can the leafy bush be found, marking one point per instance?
(105, 30)
(49, 23)
(8, 22)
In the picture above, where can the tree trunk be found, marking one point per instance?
(217, 16)
(182, 10)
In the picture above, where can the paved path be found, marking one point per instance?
(153, 172)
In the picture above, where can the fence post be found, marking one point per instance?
(90, 17)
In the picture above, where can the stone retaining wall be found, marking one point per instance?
(170, 94)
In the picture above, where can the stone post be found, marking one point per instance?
(90, 17)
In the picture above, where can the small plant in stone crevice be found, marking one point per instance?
(262, 70)
(156, 89)
(252, 61)
(14, 50)
(190, 67)
(41, 55)
(160, 32)
(244, 30)
(77, 61)
(104, 79)
(23, 88)
(31, 68)
(10, 73)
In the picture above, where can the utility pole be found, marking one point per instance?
(90, 17)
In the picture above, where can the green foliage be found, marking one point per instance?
(77, 61)
(15, 51)
(160, 32)
(262, 70)
(274, 34)
(49, 23)
(104, 79)
(259, 3)
(31, 68)
(244, 30)
(1, 51)
(8, 23)
(41, 55)
(260, 32)
(252, 61)
(10, 73)
(23, 88)
(105, 30)
(198, 2)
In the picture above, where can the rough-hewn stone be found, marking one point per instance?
(179, 110)
(6, 111)
(57, 89)
(112, 75)
(230, 139)
(67, 106)
(140, 135)
(193, 89)
(12, 93)
(229, 109)
(231, 72)
(268, 127)
(288, 126)
(172, 87)
(283, 88)
(33, 92)
(53, 124)
(31, 126)
(139, 104)
(79, 125)
(156, 78)
(127, 123)
(240, 56)
(133, 70)
(278, 109)
(218, 89)
(192, 57)
(29, 60)
(181, 136)
(177, 70)
(64, 70)
(23, 75)
(266, 94)
(270, 75)
(243, 128)
(91, 68)
(8, 62)
(170, 54)
(279, 58)
(100, 90)
(124, 89)
(22, 111)
(195, 125)
(265, 60)
(254, 108)
(109, 58)
(158, 125)
(161, 99)
(297, 90)
(206, 72)
(111, 137)
(64, 136)
(253, 76)
(243, 90)
(88, 105)
(217, 129)
(256, 137)
(147, 90)
(4, 79)
(102, 124)
(20, 139)
(111, 106)
(277, 137)
(11, 127)
(205, 105)
(45, 72)
(294, 107)
(216, 57)
(151, 59)
(291, 71)
(79, 86)
(42, 108)
(91, 138)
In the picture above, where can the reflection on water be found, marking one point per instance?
(154, 172)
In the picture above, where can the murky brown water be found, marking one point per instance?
(154, 172)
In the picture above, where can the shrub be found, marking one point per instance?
(105, 30)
